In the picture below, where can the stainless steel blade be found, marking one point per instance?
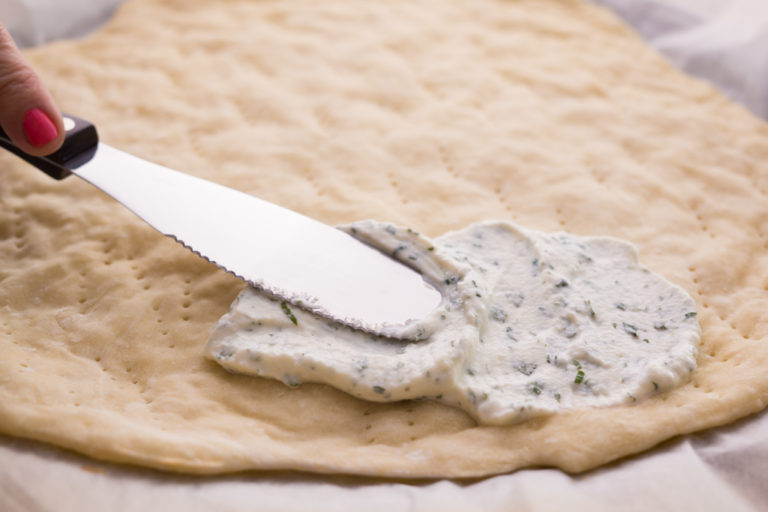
(285, 253)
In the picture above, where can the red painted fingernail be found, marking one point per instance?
(38, 128)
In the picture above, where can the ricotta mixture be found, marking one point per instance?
(530, 323)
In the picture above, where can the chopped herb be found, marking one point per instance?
(621, 306)
(498, 314)
(397, 250)
(535, 389)
(590, 309)
(226, 353)
(378, 389)
(579, 372)
(288, 313)
(629, 329)
(655, 386)
(526, 368)
(470, 371)
(660, 326)
(430, 248)
(646, 340)
(561, 283)
(557, 396)
(510, 334)
(516, 298)
(690, 314)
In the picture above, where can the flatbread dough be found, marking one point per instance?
(427, 114)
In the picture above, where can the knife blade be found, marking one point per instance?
(288, 255)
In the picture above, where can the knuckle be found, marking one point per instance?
(16, 79)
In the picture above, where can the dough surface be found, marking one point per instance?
(426, 114)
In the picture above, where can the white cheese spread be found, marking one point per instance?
(530, 324)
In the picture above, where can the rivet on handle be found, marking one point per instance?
(69, 123)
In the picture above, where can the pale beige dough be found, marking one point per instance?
(428, 114)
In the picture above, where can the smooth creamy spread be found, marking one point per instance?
(530, 323)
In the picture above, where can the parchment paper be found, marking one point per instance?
(722, 469)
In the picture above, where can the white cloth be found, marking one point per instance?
(724, 469)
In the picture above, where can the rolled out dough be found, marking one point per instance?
(423, 113)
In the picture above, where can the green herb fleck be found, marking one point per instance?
(629, 329)
(516, 298)
(498, 314)
(655, 386)
(470, 371)
(430, 248)
(579, 372)
(646, 340)
(378, 389)
(561, 283)
(526, 368)
(557, 396)
(690, 314)
(288, 313)
(621, 306)
(535, 389)
(660, 326)
(590, 309)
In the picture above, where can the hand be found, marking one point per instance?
(28, 113)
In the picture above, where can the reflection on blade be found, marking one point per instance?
(286, 254)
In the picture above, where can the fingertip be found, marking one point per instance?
(43, 132)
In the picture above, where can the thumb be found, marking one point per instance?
(28, 113)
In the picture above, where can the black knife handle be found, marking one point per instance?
(80, 143)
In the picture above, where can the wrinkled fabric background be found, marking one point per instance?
(723, 41)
